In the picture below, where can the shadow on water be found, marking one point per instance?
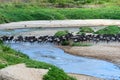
(71, 64)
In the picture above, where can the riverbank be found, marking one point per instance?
(10, 57)
(108, 52)
(16, 13)
(16, 72)
(83, 77)
(60, 23)
(98, 51)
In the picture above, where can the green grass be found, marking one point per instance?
(63, 3)
(92, 13)
(52, 75)
(109, 30)
(9, 57)
(12, 13)
(81, 44)
(61, 33)
(65, 43)
(84, 30)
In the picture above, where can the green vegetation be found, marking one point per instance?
(61, 33)
(109, 30)
(63, 3)
(52, 75)
(9, 56)
(65, 43)
(84, 30)
(81, 44)
(1, 42)
(13, 13)
(92, 13)
(68, 43)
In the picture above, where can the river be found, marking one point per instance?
(49, 53)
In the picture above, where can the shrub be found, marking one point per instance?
(61, 33)
(3, 19)
(2, 66)
(57, 74)
(80, 44)
(84, 30)
(109, 30)
(5, 48)
(1, 42)
(65, 43)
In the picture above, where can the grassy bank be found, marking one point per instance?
(63, 3)
(81, 44)
(13, 13)
(9, 56)
(110, 30)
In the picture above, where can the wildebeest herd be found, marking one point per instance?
(69, 37)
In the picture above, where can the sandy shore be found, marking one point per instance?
(60, 23)
(109, 52)
(83, 77)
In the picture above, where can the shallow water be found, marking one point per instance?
(16, 31)
(41, 30)
(19, 31)
(49, 53)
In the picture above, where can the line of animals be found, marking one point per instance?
(69, 37)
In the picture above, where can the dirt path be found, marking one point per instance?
(60, 23)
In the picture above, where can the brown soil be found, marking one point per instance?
(83, 77)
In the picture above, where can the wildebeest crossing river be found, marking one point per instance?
(48, 52)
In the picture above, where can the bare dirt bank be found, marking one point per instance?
(83, 77)
(109, 52)
(60, 23)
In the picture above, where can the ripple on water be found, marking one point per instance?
(69, 63)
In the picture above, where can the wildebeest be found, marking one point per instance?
(68, 37)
